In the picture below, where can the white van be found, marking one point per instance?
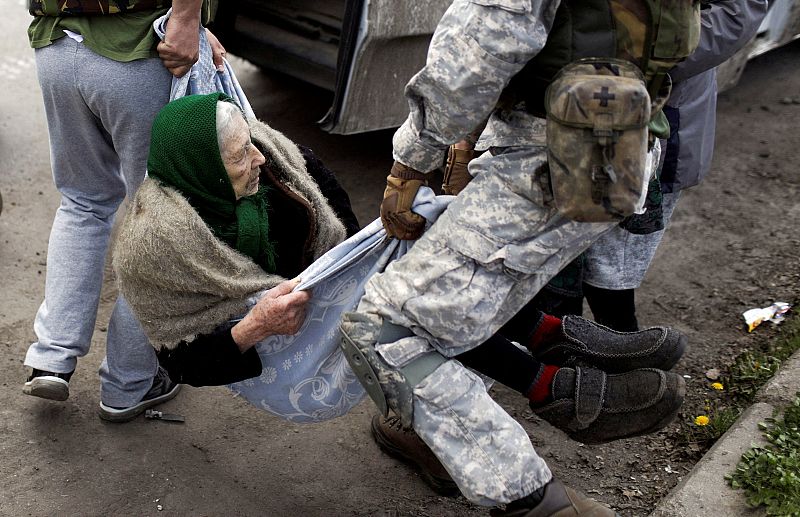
(364, 51)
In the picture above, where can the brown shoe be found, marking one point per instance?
(558, 501)
(406, 446)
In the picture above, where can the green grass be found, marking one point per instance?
(719, 420)
(749, 372)
(752, 369)
(770, 475)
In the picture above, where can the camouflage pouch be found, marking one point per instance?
(92, 7)
(598, 110)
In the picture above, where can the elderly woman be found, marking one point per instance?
(228, 213)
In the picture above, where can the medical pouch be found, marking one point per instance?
(598, 110)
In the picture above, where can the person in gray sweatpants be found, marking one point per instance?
(103, 79)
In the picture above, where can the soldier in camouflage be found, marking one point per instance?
(498, 243)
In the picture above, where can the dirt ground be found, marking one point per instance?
(733, 245)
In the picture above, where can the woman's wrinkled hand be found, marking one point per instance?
(279, 312)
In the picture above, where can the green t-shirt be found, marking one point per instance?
(121, 37)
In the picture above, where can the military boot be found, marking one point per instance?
(584, 342)
(556, 500)
(390, 387)
(594, 407)
(408, 447)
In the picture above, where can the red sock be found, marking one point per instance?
(549, 330)
(540, 391)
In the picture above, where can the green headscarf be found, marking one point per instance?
(185, 155)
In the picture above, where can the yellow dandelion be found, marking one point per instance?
(717, 386)
(701, 420)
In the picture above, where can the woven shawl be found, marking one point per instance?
(179, 278)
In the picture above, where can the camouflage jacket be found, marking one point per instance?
(478, 46)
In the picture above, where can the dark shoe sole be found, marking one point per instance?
(443, 487)
(47, 387)
(110, 414)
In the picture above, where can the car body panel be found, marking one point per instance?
(365, 51)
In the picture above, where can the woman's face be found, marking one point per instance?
(241, 159)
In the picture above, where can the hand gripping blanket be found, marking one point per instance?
(203, 77)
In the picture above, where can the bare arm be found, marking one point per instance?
(181, 46)
(279, 312)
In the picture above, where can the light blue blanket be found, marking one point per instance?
(306, 377)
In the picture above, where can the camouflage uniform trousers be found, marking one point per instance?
(496, 245)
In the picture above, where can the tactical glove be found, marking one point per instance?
(402, 185)
(456, 175)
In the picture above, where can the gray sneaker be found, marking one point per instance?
(594, 407)
(163, 389)
(591, 344)
(48, 385)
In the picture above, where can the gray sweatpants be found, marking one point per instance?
(99, 114)
(493, 249)
(619, 259)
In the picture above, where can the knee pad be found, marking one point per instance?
(388, 386)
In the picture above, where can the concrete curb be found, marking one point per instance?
(704, 490)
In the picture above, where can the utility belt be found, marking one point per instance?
(598, 112)
(93, 7)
